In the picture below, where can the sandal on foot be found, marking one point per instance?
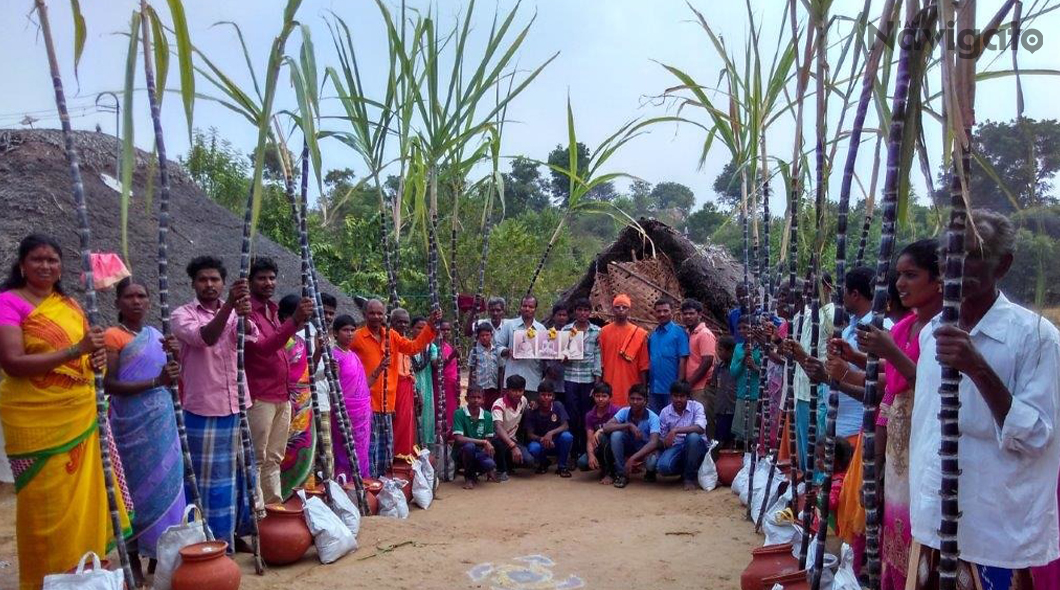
(563, 472)
(621, 481)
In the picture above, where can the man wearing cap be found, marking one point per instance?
(623, 351)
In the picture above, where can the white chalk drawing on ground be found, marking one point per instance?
(532, 572)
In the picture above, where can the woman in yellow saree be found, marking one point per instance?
(48, 410)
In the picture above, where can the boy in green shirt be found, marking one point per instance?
(472, 430)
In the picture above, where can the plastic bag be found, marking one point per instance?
(392, 500)
(172, 541)
(708, 472)
(762, 496)
(343, 507)
(330, 535)
(779, 524)
(739, 483)
(95, 579)
(423, 480)
(845, 579)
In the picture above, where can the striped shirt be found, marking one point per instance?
(589, 368)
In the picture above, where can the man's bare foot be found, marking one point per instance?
(492, 476)
(469, 484)
(606, 480)
(691, 486)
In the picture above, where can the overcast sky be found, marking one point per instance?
(609, 64)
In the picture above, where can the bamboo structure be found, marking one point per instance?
(190, 482)
(91, 307)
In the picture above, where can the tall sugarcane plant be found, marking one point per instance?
(156, 56)
(85, 237)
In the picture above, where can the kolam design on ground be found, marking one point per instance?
(532, 572)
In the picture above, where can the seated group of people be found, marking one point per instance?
(620, 441)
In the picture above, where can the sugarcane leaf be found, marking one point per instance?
(246, 56)
(160, 49)
(990, 171)
(308, 60)
(306, 119)
(128, 147)
(80, 34)
(572, 155)
(149, 185)
(184, 59)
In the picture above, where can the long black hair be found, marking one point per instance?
(120, 288)
(15, 280)
(925, 255)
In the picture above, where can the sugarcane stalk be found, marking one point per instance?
(960, 118)
(810, 476)
(763, 395)
(548, 250)
(826, 486)
(241, 389)
(91, 307)
(190, 481)
(870, 202)
(745, 311)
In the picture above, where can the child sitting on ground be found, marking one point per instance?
(472, 431)
(548, 428)
(597, 455)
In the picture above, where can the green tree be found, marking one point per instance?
(702, 224)
(673, 195)
(524, 189)
(559, 184)
(1025, 155)
(727, 186)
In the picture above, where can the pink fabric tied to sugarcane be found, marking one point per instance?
(107, 270)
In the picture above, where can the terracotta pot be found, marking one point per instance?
(729, 464)
(798, 580)
(771, 560)
(371, 489)
(284, 535)
(204, 566)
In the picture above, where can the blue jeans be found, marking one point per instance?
(475, 460)
(561, 449)
(658, 401)
(578, 399)
(802, 429)
(623, 445)
(684, 457)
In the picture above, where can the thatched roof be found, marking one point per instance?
(706, 273)
(35, 196)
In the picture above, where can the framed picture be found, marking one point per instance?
(522, 347)
(547, 348)
(572, 347)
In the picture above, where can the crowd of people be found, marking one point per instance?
(639, 401)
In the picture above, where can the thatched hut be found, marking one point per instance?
(35, 196)
(660, 261)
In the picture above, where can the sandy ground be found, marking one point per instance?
(643, 536)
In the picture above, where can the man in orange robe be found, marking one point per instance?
(624, 351)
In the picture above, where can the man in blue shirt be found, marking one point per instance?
(634, 429)
(668, 353)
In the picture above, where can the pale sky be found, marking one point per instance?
(607, 64)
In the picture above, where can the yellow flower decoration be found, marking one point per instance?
(530, 332)
(551, 333)
(573, 331)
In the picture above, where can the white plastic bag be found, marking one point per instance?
(778, 523)
(343, 507)
(708, 472)
(330, 535)
(170, 543)
(95, 579)
(763, 496)
(739, 483)
(845, 579)
(392, 501)
(423, 480)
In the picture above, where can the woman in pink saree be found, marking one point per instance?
(920, 289)
(355, 395)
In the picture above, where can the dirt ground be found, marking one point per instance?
(586, 536)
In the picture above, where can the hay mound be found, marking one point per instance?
(36, 196)
(660, 262)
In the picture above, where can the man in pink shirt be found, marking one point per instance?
(267, 370)
(206, 329)
(702, 347)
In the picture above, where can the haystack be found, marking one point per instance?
(35, 196)
(660, 262)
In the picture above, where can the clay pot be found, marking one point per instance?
(729, 464)
(204, 566)
(798, 580)
(371, 489)
(284, 535)
(771, 560)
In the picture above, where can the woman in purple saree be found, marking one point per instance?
(355, 395)
(141, 410)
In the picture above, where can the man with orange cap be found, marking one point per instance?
(623, 351)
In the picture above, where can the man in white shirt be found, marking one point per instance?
(1009, 454)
